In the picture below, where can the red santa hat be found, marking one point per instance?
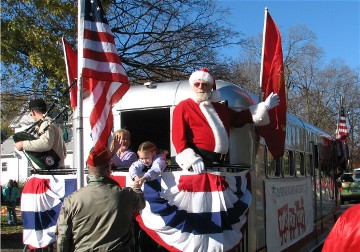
(204, 75)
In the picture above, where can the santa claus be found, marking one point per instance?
(201, 132)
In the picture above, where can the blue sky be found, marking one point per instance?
(335, 23)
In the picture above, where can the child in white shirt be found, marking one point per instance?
(150, 163)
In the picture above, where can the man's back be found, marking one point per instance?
(98, 217)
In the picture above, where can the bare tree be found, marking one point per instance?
(164, 40)
(157, 40)
(313, 88)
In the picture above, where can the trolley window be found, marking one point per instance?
(299, 164)
(308, 162)
(287, 167)
(272, 166)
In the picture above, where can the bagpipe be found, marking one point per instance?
(47, 159)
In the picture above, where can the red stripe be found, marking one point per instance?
(97, 112)
(105, 134)
(120, 179)
(119, 94)
(99, 106)
(98, 36)
(154, 235)
(202, 183)
(36, 186)
(116, 77)
(101, 56)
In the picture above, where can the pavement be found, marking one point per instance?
(11, 242)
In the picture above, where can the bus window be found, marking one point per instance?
(299, 164)
(308, 162)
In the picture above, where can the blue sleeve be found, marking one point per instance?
(157, 167)
(135, 169)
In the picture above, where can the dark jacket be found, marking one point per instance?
(98, 217)
(11, 195)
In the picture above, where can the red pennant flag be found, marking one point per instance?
(273, 81)
(71, 70)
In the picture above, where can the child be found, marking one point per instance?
(150, 163)
(121, 155)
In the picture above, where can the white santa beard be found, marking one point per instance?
(200, 97)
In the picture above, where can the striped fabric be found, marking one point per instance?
(184, 211)
(195, 212)
(41, 200)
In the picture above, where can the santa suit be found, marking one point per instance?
(206, 125)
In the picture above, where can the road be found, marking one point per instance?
(14, 243)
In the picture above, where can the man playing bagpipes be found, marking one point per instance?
(44, 146)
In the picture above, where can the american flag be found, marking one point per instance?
(41, 200)
(341, 129)
(194, 212)
(103, 74)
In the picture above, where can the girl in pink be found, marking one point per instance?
(121, 155)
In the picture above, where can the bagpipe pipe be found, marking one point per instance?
(47, 159)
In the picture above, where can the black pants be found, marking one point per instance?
(143, 242)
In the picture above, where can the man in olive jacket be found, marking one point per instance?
(98, 217)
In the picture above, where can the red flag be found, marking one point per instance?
(273, 81)
(71, 70)
(102, 72)
(341, 129)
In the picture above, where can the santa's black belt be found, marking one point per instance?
(214, 157)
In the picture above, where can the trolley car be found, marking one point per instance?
(293, 200)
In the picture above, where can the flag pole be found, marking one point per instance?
(262, 53)
(79, 157)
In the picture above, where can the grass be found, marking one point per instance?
(11, 236)
(11, 229)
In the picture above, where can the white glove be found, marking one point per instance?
(198, 166)
(272, 101)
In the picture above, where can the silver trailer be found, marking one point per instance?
(304, 176)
